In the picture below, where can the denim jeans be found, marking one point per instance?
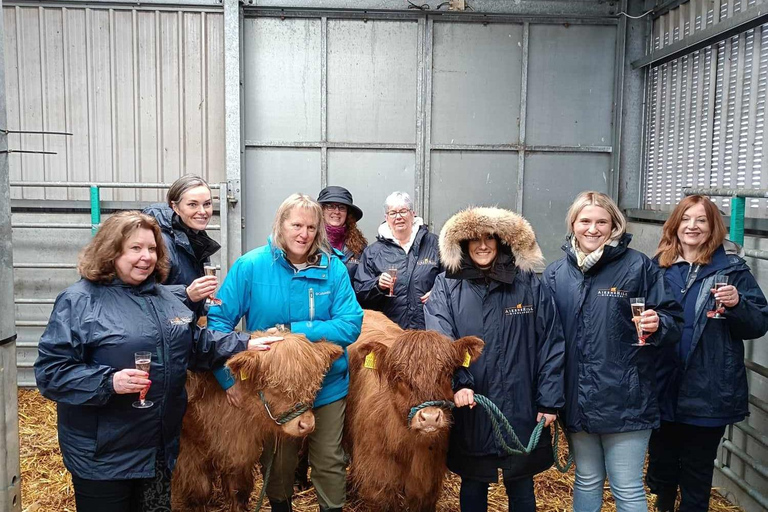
(619, 456)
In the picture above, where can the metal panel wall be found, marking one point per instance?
(140, 89)
(706, 110)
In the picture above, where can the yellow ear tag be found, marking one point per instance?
(467, 359)
(370, 361)
(243, 376)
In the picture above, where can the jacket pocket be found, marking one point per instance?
(634, 397)
(125, 429)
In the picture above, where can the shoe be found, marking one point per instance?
(281, 506)
(323, 509)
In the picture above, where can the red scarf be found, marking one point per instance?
(336, 235)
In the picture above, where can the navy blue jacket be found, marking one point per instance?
(610, 385)
(521, 366)
(93, 332)
(416, 273)
(711, 382)
(185, 267)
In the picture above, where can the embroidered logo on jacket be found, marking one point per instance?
(613, 292)
(426, 261)
(520, 309)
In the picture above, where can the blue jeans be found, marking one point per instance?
(621, 456)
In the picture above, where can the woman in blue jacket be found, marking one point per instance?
(294, 282)
(403, 243)
(183, 220)
(610, 385)
(121, 457)
(703, 379)
(489, 290)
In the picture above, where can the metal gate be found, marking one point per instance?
(509, 110)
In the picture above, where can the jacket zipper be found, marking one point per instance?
(311, 304)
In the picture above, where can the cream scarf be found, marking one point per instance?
(587, 261)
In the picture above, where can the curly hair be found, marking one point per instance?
(669, 246)
(355, 241)
(97, 260)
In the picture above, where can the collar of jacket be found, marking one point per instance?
(610, 253)
(318, 270)
(385, 234)
(146, 287)
(198, 244)
(503, 270)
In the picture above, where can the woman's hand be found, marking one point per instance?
(202, 287)
(548, 418)
(130, 381)
(727, 294)
(649, 321)
(464, 397)
(385, 281)
(425, 297)
(262, 342)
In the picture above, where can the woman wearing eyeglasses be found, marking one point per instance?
(404, 260)
(341, 218)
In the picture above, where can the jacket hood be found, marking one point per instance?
(732, 248)
(162, 213)
(512, 229)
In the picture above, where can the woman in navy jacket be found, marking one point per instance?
(610, 385)
(121, 457)
(490, 290)
(703, 379)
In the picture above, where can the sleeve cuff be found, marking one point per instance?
(225, 377)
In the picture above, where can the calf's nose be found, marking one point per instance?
(306, 424)
(429, 418)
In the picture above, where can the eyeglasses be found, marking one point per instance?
(335, 206)
(393, 214)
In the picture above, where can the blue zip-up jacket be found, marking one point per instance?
(93, 332)
(610, 385)
(317, 301)
(416, 273)
(710, 383)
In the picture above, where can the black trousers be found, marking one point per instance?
(135, 495)
(473, 495)
(683, 456)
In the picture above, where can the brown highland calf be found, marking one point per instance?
(396, 466)
(218, 439)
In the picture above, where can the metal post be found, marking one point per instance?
(95, 210)
(737, 220)
(10, 471)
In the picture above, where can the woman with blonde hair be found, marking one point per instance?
(295, 283)
(702, 380)
(610, 393)
(121, 457)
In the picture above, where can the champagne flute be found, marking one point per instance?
(638, 306)
(392, 271)
(717, 314)
(210, 270)
(143, 360)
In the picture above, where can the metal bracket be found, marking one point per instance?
(6, 341)
(233, 192)
(9, 151)
(36, 132)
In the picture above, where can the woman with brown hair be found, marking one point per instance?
(702, 380)
(120, 456)
(341, 217)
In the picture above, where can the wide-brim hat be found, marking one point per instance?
(334, 194)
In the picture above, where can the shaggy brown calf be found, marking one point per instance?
(397, 466)
(218, 439)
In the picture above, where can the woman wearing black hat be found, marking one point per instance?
(341, 217)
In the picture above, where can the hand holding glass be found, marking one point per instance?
(393, 274)
(143, 361)
(638, 306)
(210, 270)
(717, 314)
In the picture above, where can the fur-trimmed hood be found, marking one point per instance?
(512, 229)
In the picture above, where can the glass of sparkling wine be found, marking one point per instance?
(638, 306)
(210, 270)
(143, 360)
(717, 314)
(392, 271)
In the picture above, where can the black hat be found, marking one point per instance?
(334, 194)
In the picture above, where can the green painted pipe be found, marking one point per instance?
(737, 220)
(95, 210)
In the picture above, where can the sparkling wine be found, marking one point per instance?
(142, 361)
(393, 274)
(638, 307)
(210, 270)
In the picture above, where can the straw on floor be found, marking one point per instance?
(47, 486)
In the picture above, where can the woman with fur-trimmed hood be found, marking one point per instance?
(489, 290)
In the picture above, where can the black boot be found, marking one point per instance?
(323, 509)
(280, 506)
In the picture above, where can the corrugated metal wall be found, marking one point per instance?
(706, 110)
(140, 89)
